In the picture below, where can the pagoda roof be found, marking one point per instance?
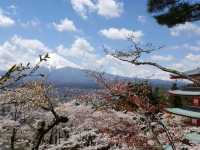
(193, 72)
(185, 93)
(184, 112)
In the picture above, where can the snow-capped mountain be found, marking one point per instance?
(58, 62)
(75, 77)
(79, 78)
(68, 76)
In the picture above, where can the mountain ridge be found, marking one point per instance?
(78, 78)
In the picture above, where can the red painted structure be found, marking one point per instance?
(194, 94)
(196, 103)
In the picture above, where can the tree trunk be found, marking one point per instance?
(12, 139)
(59, 136)
(38, 135)
(42, 130)
(51, 136)
(14, 131)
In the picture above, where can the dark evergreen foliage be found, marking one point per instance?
(172, 12)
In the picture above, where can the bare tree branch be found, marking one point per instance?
(133, 56)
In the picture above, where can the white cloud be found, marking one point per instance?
(82, 46)
(83, 7)
(109, 8)
(22, 50)
(185, 29)
(105, 8)
(81, 52)
(12, 9)
(195, 47)
(32, 44)
(193, 57)
(178, 66)
(185, 47)
(117, 67)
(141, 19)
(65, 25)
(18, 50)
(31, 23)
(121, 34)
(5, 21)
(79, 47)
(189, 62)
(162, 58)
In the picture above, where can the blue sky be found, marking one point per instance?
(75, 31)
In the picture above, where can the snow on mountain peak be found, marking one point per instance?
(57, 61)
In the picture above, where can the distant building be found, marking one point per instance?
(190, 107)
(192, 73)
